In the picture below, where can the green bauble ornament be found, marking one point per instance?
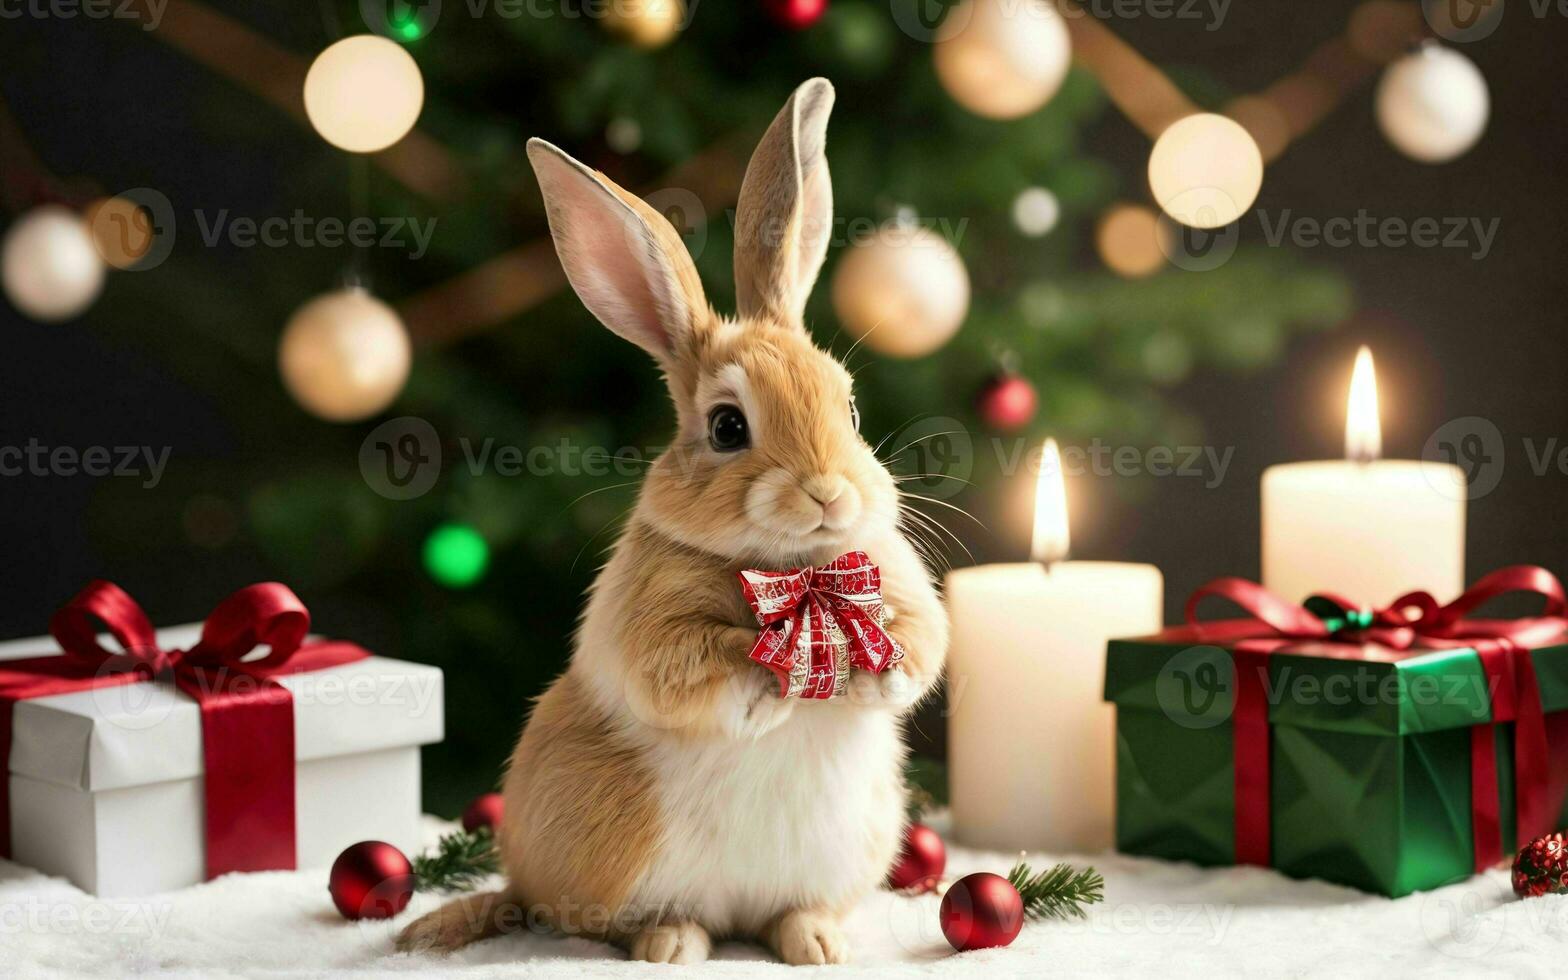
(456, 555)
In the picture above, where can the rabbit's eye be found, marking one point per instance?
(854, 414)
(727, 429)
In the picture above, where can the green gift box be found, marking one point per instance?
(1392, 751)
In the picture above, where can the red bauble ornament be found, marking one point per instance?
(980, 911)
(1007, 402)
(371, 880)
(920, 862)
(797, 15)
(485, 812)
(1542, 867)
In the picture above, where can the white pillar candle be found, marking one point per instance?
(1364, 528)
(1031, 742)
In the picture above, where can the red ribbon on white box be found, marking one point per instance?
(818, 623)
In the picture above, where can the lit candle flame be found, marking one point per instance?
(1051, 538)
(1363, 431)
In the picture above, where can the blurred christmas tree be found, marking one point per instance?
(484, 574)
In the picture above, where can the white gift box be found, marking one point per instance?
(106, 784)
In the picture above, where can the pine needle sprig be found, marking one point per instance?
(461, 860)
(1060, 892)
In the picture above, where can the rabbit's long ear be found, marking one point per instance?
(785, 215)
(624, 259)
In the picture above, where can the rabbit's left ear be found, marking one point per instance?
(785, 215)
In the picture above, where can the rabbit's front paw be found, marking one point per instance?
(752, 705)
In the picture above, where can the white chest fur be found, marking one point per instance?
(807, 816)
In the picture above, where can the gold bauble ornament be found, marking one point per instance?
(1128, 240)
(904, 291)
(122, 231)
(1002, 58)
(645, 24)
(344, 356)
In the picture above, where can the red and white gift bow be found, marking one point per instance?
(819, 623)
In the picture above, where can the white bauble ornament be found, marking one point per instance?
(1002, 58)
(49, 265)
(904, 291)
(1035, 211)
(1432, 104)
(1205, 170)
(344, 356)
(363, 93)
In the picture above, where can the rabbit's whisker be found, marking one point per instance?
(893, 432)
(934, 527)
(602, 528)
(622, 459)
(590, 493)
(942, 503)
(907, 477)
(862, 339)
(915, 442)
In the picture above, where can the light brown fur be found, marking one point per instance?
(660, 671)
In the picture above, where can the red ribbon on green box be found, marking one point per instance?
(247, 717)
(1414, 621)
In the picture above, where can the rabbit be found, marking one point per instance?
(663, 793)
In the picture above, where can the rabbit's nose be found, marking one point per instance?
(824, 489)
(831, 492)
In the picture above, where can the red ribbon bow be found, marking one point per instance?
(247, 718)
(1414, 620)
(818, 623)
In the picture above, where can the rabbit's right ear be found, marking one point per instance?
(785, 214)
(624, 259)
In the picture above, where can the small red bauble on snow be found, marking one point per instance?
(980, 911)
(371, 880)
(797, 15)
(1007, 402)
(1542, 867)
(920, 862)
(484, 812)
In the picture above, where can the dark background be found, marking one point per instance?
(1454, 337)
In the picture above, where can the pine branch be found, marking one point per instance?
(461, 860)
(1060, 892)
